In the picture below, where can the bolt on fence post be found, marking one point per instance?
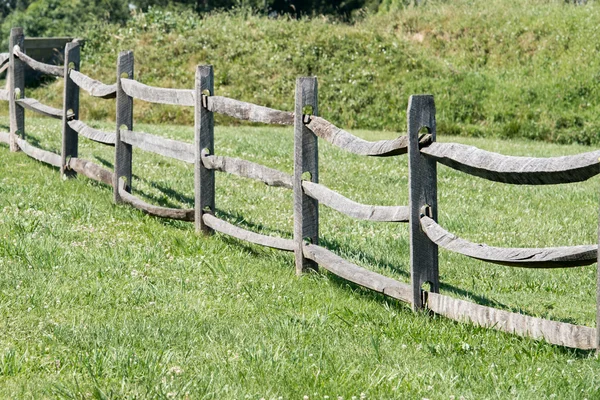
(123, 151)
(204, 134)
(306, 160)
(422, 181)
(70, 103)
(16, 87)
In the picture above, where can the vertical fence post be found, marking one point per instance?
(422, 180)
(306, 160)
(70, 108)
(16, 87)
(598, 292)
(204, 126)
(123, 151)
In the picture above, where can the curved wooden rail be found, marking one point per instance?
(248, 169)
(559, 333)
(93, 87)
(91, 170)
(347, 141)
(34, 105)
(334, 200)
(91, 133)
(178, 97)
(165, 147)
(268, 241)
(157, 211)
(548, 257)
(515, 170)
(4, 58)
(4, 95)
(38, 154)
(48, 69)
(247, 111)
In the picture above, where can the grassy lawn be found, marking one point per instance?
(102, 301)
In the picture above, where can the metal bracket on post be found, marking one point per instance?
(306, 160)
(204, 178)
(16, 87)
(70, 139)
(422, 178)
(123, 151)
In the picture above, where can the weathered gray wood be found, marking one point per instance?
(515, 170)
(547, 257)
(353, 273)
(93, 134)
(248, 169)
(559, 333)
(248, 111)
(204, 178)
(306, 160)
(123, 151)
(165, 147)
(178, 97)
(156, 211)
(41, 155)
(40, 108)
(93, 87)
(4, 95)
(91, 170)
(5, 137)
(268, 241)
(422, 189)
(70, 106)
(55, 70)
(4, 57)
(16, 88)
(353, 209)
(4, 67)
(353, 144)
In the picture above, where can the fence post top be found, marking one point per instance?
(16, 31)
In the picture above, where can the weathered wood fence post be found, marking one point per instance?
(422, 187)
(16, 87)
(204, 133)
(598, 292)
(70, 138)
(123, 151)
(306, 162)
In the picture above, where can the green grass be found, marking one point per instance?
(102, 301)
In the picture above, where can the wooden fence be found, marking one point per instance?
(426, 236)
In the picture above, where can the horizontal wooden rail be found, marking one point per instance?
(55, 70)
(248, 169)
(334, 200)
(4, 57)
(347, 141)
(4, 67)
(225, 227)
(559, 333)
(178, 97)
(515, 170)
(38, 154)
(4, 95)
(34, 105)
(165, 147)
(248, 111)
(95, 135)
(157, 211)
(93, 87)
(91, 170)
(548, 257)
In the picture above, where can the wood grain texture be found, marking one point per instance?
(547, 257)
(239, 233)
(16, 88)
(91, 170)
(54, 70)
(165, 147)
(353, 144)
(44, 156)
(353, 209)
(156, 211)
(124, 118)
(70, 110)
(4, 67)
(306, 159)
(353, 273)
(40, 108)
(4, 95)
(4, 58)
(515, 170)
(248, 111)
(178, 97)
(204, 143)
(93, 134)
(93, 87)
(422, 190)
(558, 333)
(248, 169)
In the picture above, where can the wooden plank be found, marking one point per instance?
(54, 70)
(306, 160)
(178, 97)
(156, 211)
(124, 119)
(93, 134)
(38, 154)
(239, 233)
(57, 43)
(4, 95)
(16, 88)
(91, 170)
(355, 274)
(558, 333)
(353, 209)
(353, 144)
(546, 257)
(248, 111)
(4, 58)
(248, 169)
(70, 110)
(165, 147)
(4, 67)
(422, 189)
(40, 108)
(93, 87)
(5, 137)
(204, 142)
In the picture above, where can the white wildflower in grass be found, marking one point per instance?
(175, 370)
(305, 397)
(363, 396)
